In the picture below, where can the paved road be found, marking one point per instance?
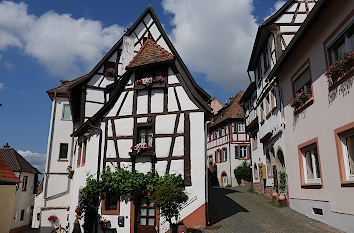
(234, 210)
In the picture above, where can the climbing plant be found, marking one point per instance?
(123, 183)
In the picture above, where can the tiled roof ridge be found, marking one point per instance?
(66, 83)
(143, 47)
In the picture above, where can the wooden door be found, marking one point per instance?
(146, 214)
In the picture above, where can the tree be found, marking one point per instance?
(244, 171)
(169, 198)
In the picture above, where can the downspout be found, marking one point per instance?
(50, 149)
(229, 151)
(206, 170)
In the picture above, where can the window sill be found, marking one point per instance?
(347, 183)
(314, 185)
(303, 106)
(63, 160)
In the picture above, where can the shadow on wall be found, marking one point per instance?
(220, 206)
(343, 90)
(213, 177)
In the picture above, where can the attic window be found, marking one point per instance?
(109, 69)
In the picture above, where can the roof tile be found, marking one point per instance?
(6, 174)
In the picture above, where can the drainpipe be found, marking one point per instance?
(98, 162)
(206, 169)
(230, 138)
(50, 149)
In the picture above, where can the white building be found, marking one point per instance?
(227, 142)
(25, 191)
(262, 101)
(111, 112)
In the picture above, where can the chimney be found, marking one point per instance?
(7, 145)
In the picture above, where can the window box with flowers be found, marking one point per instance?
(53, 219)
(149, 82)
(110, 72)
(142, 149)
(340, 70)
(300, 101)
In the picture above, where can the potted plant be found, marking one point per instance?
(53, 219)
(282, 188)
(300, 99)
(339, 69)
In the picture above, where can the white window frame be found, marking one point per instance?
(63, 113)
(346, 155)
(316, 179)
(243, 149)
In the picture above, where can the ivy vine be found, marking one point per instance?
(123, 183)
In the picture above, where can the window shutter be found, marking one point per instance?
(237, 156)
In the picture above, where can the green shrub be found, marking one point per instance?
(243, 171)
(282, 182)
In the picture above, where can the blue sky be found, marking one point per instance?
(34, 54)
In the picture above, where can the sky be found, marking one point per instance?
(42, 42)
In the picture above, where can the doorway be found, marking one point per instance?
(224, 179)
(146, 216)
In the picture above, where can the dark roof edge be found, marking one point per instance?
(298, 34)
(250, 89)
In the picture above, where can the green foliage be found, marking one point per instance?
(169, 198)
(243, 171)
(282, 182)
(125, 183)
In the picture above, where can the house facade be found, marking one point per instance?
(319, 114)
(227, 142)
(139, 94)
(264, 112)
(21, 216)
(8, 184)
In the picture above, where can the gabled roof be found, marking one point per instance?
(198, 92)
(199, 95)
(232, 110)
(15, 161)
(63, 88)
(6, 174)
(150, 53)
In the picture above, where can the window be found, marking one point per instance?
(344, 137)
(243, 152)
(235, 127)
(145, 135)
(84, 153)
(24, 183)
(216, 156)
(266, 59)
(220, 156)
(214, 135)
(237, 154)
(225, 154)
(344, 43)
(63, 151)
(79, 150)
(255, 171)
(66, 112)
(22, 215)
(269, 166)
(348, 154)
(241, 127)
(110, 204)
(302, 82)
(310, 164)
(262, 112)
(259, 73)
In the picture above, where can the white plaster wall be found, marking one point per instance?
(157, 100)
(142, 102)
(162, 146)
(185, 101)
(165, 124)
(127, 108)
(92, 108)
(124, 127)
(172, 102)
(95, 95)
(124, 146)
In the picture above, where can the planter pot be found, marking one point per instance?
(281, 197)
(182, 229)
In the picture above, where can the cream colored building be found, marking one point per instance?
(319, 131)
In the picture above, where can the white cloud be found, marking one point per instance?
(277, 5)
(214, 38)
(63, 44)
(35, 159)
(1, 86)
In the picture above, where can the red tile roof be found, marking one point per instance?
(6, 174)
(150, 53)
(63, 88)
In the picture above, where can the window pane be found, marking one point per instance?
(63, 153)
(150, 136)
(143, 201)
(142, 221)
(151, 212)
(66, 112)
(142, 133)
(236, 152)
(309, 167)
(143, 212)
(220, 156)
(111, 201)
(303, 82)
(151, 221)
(225, 154)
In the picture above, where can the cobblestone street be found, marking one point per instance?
(236, 210)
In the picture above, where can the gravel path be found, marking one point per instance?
(234, 210)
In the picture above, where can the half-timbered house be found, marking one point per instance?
(263, 98)
(141, 95)
(227, 142)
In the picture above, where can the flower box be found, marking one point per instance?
(343, 67)
(149, 82)
(110, 72)
(300, 100)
